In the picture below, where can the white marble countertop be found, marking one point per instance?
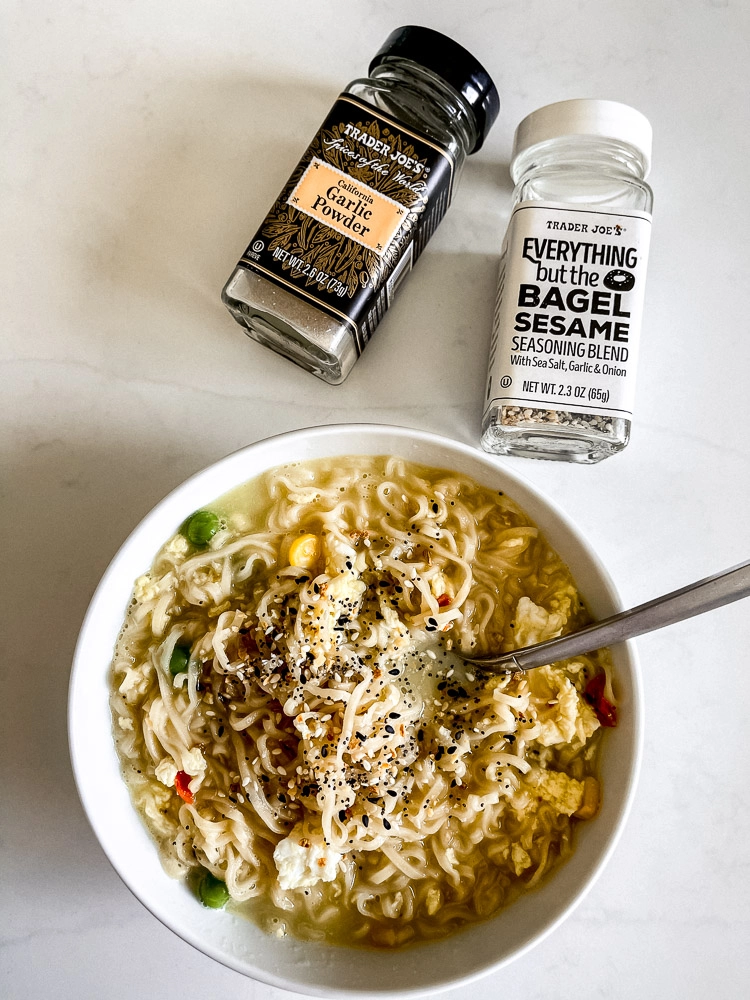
(144, 143)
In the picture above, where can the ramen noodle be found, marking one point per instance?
(291, 717)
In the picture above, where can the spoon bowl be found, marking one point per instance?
(695, 599)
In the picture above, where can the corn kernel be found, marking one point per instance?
(304, 551)
(590, 802)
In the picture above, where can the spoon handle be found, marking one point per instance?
(705, 595)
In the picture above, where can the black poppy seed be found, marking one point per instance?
(394, 715)
(386, 824)
(324, 752)
(390, 729)
(365, 820)
(392, 792)
(394, 672)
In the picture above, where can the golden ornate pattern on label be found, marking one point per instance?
(360, 206)
(351, 208)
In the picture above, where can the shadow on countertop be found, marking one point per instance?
(70, 507)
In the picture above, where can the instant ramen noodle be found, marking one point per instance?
(297, 732)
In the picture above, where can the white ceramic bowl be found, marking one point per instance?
(310, 968)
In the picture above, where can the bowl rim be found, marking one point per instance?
(346, 431)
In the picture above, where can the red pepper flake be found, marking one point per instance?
(443, 601)
(182, 785)
(606, 712)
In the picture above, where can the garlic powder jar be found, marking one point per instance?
(367, 195)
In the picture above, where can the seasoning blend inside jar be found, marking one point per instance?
(322, 269)
(564, 348)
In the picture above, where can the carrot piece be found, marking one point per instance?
(606, 712)
(182, 786)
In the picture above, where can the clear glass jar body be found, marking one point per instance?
(296, 329)
(597, 174)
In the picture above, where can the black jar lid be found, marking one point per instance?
(453, 63)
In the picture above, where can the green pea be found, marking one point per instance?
(178, 662)
(201, 527)
(212, 891)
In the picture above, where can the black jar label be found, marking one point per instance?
(355, 215)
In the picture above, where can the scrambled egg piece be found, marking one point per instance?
(135, 683)
(166, 772)
(154, 805)
(146, 589)
(394, 635)
(193, 762)
(563, 715)
(440, 585)
(563, 793)
(534, 624)
(565, 600)
(178, 546)
(302, 860)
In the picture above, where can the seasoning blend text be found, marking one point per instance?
(561, 377)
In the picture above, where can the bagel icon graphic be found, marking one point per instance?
(619, 281)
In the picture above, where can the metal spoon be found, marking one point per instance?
(705, 595)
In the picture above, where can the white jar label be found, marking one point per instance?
(568, 314)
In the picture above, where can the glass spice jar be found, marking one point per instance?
(322, 269)
(564, 349)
